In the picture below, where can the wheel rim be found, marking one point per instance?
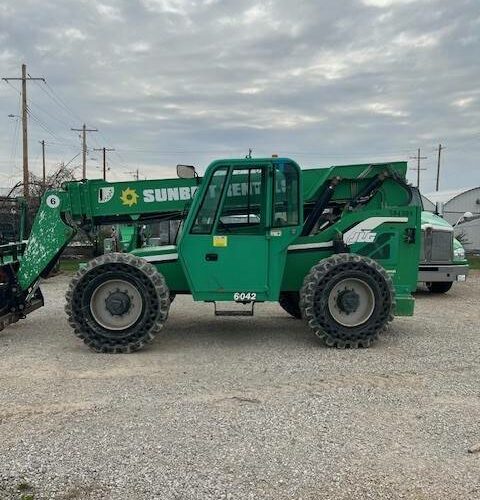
(351, 302)
(116, 304)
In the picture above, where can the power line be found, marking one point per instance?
(84, 131)
(31, 102)
(40, 122)
(15, 137)
(56, 97)
(417, 168)
(24, 78)
(135, 173)
(123, 162)
(62, 140)
(13, 87)
(104, 150)
(43, 163)
(46, 128)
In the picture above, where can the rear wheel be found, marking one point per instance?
(117, 303)
(347, 300)
(439, 286)
(290, 302)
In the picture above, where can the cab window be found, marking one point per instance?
(242, 211)
(286, 204)
(208, 209)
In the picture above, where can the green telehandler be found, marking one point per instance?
(338, 247)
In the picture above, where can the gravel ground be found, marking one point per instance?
(243, 408)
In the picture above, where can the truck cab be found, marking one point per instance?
(442, 256)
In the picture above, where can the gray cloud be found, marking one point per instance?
(170, 81)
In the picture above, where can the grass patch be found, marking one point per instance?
(474, 262)
(70, 266)
(26, 491)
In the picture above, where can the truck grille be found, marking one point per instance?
(437, 246)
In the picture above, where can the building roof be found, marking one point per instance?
(446, 196)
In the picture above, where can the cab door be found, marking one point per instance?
(234, 243)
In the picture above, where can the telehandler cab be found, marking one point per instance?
(338, 247)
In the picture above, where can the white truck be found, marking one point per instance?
(442, 256)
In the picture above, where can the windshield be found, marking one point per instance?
(416, 198)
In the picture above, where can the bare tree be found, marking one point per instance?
(11, 205)
(54, 180)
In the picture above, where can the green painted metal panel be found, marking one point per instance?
(219, 264)
(165, 259)
(128, 237)
(48, 236)
(99, 199)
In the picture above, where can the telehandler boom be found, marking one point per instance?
(338, 247)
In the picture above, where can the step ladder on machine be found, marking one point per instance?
(242, 309)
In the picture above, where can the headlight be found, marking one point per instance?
(459, 254)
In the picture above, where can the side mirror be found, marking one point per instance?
(186, 172)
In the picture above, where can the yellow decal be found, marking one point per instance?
(220, 241)
(129, 197)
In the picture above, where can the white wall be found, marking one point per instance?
(469, 201)
(471, 230)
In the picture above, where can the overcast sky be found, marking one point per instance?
(187, 81)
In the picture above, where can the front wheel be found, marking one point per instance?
(117, 303)
(439, 286)
(347, 300)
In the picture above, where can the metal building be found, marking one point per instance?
(428, 205)
(470, 234)
(452, 205)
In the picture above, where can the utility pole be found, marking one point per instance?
(440, 147)
(84, 131)
(104, 160)
(135, 173)
(44, 174)
(418, 158)
(24, 78)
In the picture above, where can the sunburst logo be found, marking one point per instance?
(129, 197)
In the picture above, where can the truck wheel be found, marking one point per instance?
(290, 302)
(439, 286)
(347, 300)
(117, 303)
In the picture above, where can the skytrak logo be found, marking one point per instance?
(129, 197)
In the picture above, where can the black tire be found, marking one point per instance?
(138, 276)
(290, 302)
(439, 286)
(318, 300)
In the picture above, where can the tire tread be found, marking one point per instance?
(123, 345)
(317, 276)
